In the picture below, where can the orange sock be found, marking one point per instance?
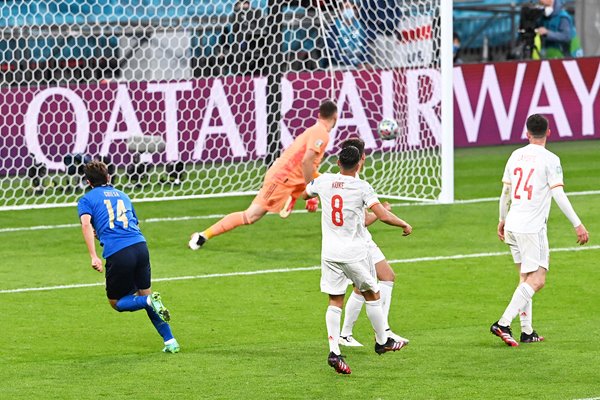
(226, 224)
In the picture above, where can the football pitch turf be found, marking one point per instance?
(262, 335)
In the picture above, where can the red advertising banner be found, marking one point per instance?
(225, 119)
(492, 101)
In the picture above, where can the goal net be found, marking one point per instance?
(192, 98)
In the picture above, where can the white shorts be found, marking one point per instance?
(334, 276)
(529, 249)
(375, 252)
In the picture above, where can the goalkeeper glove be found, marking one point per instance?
(312, 204)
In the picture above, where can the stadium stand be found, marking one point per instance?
(489, 28)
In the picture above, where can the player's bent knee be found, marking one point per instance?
(536, 284)
(539, 285)
(253, 213)
(249, 219)
(370, 295)
(336, 300)
(385, 271)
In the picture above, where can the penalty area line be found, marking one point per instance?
(287, 270)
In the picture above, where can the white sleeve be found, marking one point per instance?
(369, 196)
(506, 175)
(554, 173)
(504, 201)
(311, 188)
(565, 205)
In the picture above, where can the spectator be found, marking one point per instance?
(381, 19)
(347, 38)
(557, 31)
(456, 49)
(242, 40)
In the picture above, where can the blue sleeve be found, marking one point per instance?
(563, 34)
(84, 207)
(137, 220)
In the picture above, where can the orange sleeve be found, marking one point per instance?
(317, 140)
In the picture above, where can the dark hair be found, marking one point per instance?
(349, 157)
(96, 172)
(455, 36)
(327, 109)
(537, 125)
(356, 142)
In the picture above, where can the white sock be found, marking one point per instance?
(521, 297)
(525, 314)
(333, 317)
(375, 314)
(386, 288)
(352, 311)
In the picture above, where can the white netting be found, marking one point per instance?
(196, 97)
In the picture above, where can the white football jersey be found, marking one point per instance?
(532, 171)
(343, 202)
(369, 236)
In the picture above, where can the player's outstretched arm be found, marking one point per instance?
(306, 196)
(387, 217)
(88, 235)
(565, 206)
(504, 206)
(370, 217)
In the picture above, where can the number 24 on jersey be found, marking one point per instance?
(527, 187)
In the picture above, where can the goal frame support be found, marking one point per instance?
(447, 107)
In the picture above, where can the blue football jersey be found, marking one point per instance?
(113, 218)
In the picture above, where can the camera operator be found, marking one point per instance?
(557, 31)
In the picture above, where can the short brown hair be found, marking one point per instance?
(327, 109)
(96, 173)
(356, 142)
(537, 125)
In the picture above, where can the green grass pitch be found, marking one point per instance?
(263, 336)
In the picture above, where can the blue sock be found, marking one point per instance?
(161, 326)
(132, 303)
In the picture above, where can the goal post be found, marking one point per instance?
(447, 102)
(190, 99)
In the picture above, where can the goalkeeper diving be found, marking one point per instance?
(285, 180)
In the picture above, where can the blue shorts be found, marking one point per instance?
(127, 271)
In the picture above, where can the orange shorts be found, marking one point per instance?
(273, 195)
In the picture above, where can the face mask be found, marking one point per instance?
(348, 13)
(548, 11)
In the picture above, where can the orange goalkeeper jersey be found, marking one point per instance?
(287, 169)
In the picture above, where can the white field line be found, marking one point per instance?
(214, 216)
(286, 270)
